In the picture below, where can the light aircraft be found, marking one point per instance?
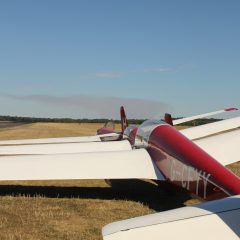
(193, 159)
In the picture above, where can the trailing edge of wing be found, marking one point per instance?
(100, 165)
(223, 147)
(187, 119)
(65, 148)
(211, 128)
(96, 138)
(218, 219)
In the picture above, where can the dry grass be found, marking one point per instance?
(55, 218)
(50, 212)
(235, 167)
(181, 127)
(75, 209)
(44, 130)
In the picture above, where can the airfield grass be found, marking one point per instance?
(74, 209)
(45, 130)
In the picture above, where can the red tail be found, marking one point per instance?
(168, 119)
(124, 120)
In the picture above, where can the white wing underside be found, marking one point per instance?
(58, 148)
(220, 139)
(99, 165)
(223, 147)
(96, 138)
(211, 128)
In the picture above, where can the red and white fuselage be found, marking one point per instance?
(182, 162)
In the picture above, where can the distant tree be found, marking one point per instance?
(100, 120)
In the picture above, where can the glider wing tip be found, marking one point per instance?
(230, 109)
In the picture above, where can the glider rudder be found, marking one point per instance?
(124, 121)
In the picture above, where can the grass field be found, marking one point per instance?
(75, 209)
(44, 130)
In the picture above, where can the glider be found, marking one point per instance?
(193, 159)
(168, 117)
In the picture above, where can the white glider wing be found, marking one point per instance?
(211, 128)
(187, 119)
(99, 165)
(213, 220)
(97, 138)
(223, 147)
(65, 148)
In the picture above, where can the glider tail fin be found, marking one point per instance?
(168, 119)
(124, 121)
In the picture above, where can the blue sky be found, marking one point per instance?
(177, 56)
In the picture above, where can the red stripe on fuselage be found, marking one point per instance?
(185, 164)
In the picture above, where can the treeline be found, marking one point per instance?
(86, 120)
(63, 120)
(200, 121)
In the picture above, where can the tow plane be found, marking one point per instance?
(193, 159)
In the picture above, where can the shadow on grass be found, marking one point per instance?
(157, 198)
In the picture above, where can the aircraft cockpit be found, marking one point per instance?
(144, 132)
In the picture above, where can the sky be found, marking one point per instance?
(86, 58)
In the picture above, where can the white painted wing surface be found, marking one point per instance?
(224, 147)
(213, 220)
(100, 165)
(187, 119)
(96, 138)
(65, 148)
(211, 128)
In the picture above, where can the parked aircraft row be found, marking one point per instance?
(193, 159)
